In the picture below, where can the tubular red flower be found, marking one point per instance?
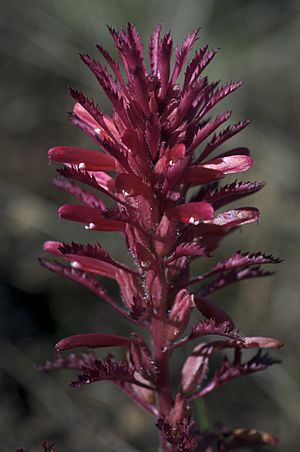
(84, 158)
(90, 217)
(92, 340)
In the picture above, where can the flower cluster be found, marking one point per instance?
(157, 145)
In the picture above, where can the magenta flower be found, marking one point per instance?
(156, 146)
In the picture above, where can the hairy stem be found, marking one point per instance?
(164, 397)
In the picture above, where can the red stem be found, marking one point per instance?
(164, 397)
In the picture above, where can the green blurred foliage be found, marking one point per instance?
(39, 46)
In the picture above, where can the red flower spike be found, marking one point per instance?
(193, 212)
(150, 144)
(85, 159)
(92, 340)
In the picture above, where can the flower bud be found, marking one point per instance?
(179, 315)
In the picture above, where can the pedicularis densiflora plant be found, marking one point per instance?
(156, 146)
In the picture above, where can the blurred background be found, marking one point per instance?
(39, 46)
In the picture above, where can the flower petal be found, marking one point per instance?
(91, 217)
(261, 342)
(193, 212)
(131, 185)
(85, 159)
(226, 221)
(230, 164)
(83, 114)
(170, 157)
(198, 174)
(92, 340)
(83, 263)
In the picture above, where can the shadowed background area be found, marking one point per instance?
(39, 46)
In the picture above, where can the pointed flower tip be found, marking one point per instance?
(262, 342)
(62, 211)
(51, 246)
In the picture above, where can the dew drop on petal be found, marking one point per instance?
(75, 264)
(97, 130)
(192, 220)
(90, 226)
(145, 264)
(81, 165)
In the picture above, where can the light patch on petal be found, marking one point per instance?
(90, 226)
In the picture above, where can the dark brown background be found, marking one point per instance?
(39, 46)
